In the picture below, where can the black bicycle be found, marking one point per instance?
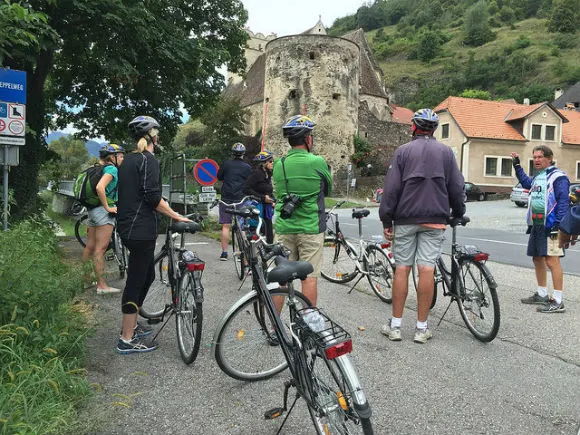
(178, 290)
(116, 250)
(468, 281)
(270, 329)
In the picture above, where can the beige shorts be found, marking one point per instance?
(305, 247)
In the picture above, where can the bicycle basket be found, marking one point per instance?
(329, 336)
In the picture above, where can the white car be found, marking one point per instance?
(519, 195)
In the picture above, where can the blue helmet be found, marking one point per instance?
(263, 156)
(298, 125)
(110, 149)
(425, 119)
(238, 149)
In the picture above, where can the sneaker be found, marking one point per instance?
(224, 256)
(273, 339)
(422, 335)
(135, 345)
(551, 307)
(394, 334)
(536, 299)
(141, 331)
(108, 291)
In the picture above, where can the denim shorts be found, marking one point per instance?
(98, 217)
(417, 243)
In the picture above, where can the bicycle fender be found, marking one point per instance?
(353, 382)
(489, 276)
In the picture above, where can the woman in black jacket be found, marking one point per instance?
(259, 184)
(139, 201)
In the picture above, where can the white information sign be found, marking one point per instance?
(207, 189)
(12, 123)
(207, 196)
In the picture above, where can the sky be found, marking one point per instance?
(290, 18)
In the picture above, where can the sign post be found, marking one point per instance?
(12, 124)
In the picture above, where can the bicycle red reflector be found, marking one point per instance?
(195, 266)
(386, 245)
(481, 256)
(255, 237)
(339, 349)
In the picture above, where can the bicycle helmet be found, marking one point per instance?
(264, 156)
(238, 149)
(298, 125)
(141, 125)
(110, 149)
(425, 119)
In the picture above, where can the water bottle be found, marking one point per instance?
(314, 320)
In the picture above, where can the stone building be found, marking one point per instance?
(333, 80)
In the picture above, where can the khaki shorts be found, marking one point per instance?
(305, 247)
(417, 243)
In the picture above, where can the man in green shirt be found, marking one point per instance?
(301, 181)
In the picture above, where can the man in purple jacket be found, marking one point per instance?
(422, 184)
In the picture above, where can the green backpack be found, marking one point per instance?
(85, 187)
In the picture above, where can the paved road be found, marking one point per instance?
(525, 382)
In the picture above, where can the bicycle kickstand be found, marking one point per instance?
(444, 313)
(277, 412)
(354, 285)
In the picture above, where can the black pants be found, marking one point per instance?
(140, 274)
(268, 230)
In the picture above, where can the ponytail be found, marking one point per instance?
(142, 145)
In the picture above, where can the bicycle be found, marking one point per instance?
(239, 242)
(248, 341)
(372, 260)
(469, 282)
(118, 250)
(178, 290)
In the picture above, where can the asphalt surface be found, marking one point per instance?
(527, 381)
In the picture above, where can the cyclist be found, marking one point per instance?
(233, 174)
(102, 218)
(549, 202)
(301, 181)
(422, 182)
(139, 200)
(259, 184)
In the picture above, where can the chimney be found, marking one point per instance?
(558, 93)
(526, 101)
(570, 106)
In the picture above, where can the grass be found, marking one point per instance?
(67, 223)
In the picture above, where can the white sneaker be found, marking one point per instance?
(394, 334)
(422, 335)
(108, 291)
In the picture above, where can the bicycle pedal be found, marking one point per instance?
(273, 413)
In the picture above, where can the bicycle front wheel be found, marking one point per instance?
(337, 404)
(189, 317)
(159, 294)
(478, 301)
(238, 252)
(381, 272)
(246, 346)
(81, 229)
(337, 266)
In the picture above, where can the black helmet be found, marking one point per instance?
(141, 125)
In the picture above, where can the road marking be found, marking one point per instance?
(197, 243)
(510, 243)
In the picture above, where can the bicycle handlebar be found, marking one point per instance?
(244, 199)
(335, 206)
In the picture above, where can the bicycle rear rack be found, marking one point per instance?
(331, 335)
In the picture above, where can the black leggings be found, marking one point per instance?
(140, 274)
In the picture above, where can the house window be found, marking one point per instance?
(444, 131)
(577, 170)
(498, 166)
(550, 132)
(506, 167)
(490, 165)
(536, 131)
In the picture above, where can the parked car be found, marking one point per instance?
(474, 192)
(520, 195)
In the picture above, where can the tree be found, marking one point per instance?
(476, 27)
(73, 155)
(477, 94)
(112, 60)
(564, 17)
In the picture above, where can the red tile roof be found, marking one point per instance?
(400, 115)
(571, 129)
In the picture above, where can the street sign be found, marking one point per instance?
(12, 158)
(207, 196)
(205, 172)
(207, 189)
(12, 86)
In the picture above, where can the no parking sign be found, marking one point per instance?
(205, 172)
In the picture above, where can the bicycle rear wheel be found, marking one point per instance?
(243, 345)
(337, 404)
(381, 272)
(189, 317)
(337, 266)
(238, 252)
(478, 301)
(159, 294)
(120, 253)
(81, 229)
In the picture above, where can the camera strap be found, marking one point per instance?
(284, 171)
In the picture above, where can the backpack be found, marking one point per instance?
(85, 186)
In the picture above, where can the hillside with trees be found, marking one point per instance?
(430, 49)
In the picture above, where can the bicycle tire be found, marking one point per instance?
(332, 406)
(338, 267)
(476, 291)
(120, 253)
(159, 294)
(188, 317)
(81, 229)
(381, 272)
(238, 256)
(241, 345)
(415, 274)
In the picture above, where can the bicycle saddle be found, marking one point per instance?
(287, 270)
(358, 213)
(454, 221)
(185, 227)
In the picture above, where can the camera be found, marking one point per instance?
(290, 203)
